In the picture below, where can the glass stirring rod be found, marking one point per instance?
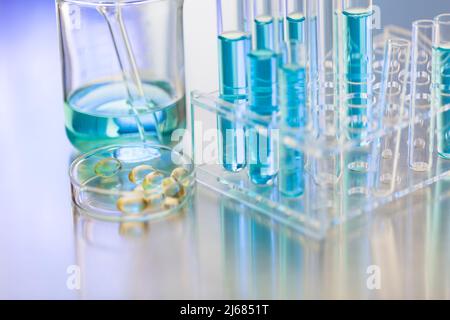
(127, 62)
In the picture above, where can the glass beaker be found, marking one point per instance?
(123, 70)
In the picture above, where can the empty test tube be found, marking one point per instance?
(325, 17)
(292, 90)
(441, 82)
(357, 66)
(329, 45)
(312, 11)
(325, 44)
(262, 76)
(421, 126)
(234, 44)
(392, 107)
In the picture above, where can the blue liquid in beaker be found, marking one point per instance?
(100, 114)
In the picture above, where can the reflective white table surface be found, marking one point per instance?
(216, 248)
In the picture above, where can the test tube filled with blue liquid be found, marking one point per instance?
(263, 63)
(234, 44)
(292, 90)
(441, 81)
(295, 20)
(269, 27)
(357, 73)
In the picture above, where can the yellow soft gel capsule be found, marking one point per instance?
(153, 181)
(131, 204)
(170, 202)
(154, 200)
(180, 174)
(133, 228)
(138, 173)
(107, 167)
(172, 188)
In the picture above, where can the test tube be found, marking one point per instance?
(263, 63)
(421, 126)
(296, 20)
(234, 44)
(357, 66)
(325, 25)
(269, 23)
(312, 11)
(292, 89)
(324, 33)
(392, 102)
(356, 100)
(441, 80)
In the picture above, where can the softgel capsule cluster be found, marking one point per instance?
(153, 190)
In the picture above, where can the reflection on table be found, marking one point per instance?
(238, 253)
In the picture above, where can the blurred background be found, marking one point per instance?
(206, 254)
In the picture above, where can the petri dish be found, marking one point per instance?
(133, 182)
